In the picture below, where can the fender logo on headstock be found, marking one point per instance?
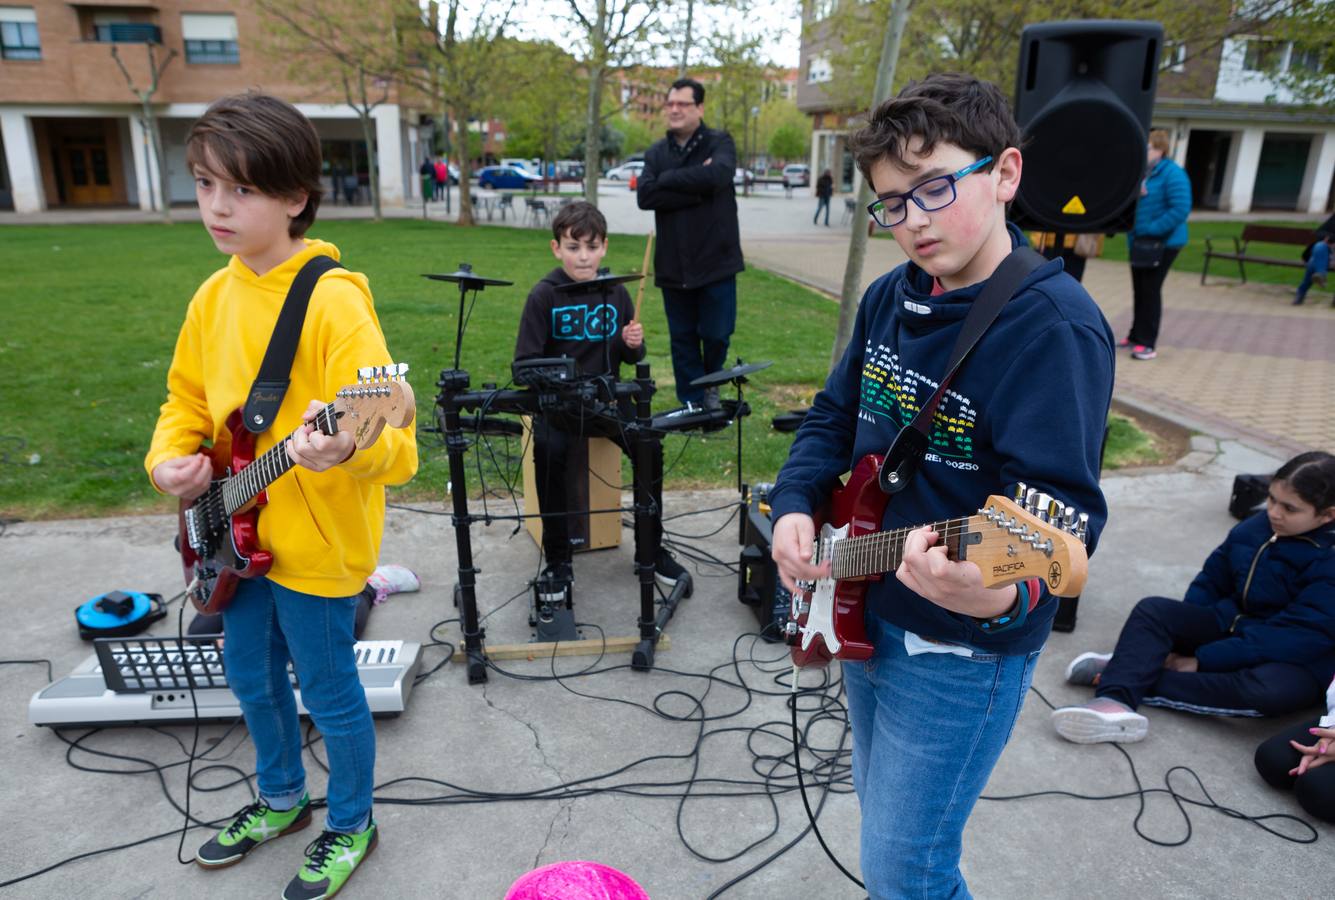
(1054, 575)
(1007, 569)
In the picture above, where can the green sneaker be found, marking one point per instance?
(252, 826)
(330, 861)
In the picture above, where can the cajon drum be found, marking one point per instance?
(595, 479)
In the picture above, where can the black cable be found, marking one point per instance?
(30, 662)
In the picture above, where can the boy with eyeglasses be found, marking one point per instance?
(933, 708)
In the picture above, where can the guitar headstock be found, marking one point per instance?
(1033, 536)
(381, 396)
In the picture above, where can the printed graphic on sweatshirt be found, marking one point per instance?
(584, 322)
(891, 391)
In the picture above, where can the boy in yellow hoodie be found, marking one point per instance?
(256, 162)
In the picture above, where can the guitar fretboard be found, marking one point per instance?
(243, 487)
(883, 551)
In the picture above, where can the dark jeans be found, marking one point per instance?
(1315, 789)
(551, 450)
(1147, 297)
(822, 203)
(700, 322)
(1161, 625)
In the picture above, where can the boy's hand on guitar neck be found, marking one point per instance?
(791, 542)
(186, 477)
(315, 450)
(953, 585)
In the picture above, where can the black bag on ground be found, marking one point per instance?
(1147, 252)
(1249, 493)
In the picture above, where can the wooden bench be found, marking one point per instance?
(1261, 234)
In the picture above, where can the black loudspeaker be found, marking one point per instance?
(758, 583)
(1084, 94)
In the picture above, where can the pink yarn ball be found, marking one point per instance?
(576, 880)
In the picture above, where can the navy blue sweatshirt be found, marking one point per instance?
(1030, 404)
(586, 326)
(1274, 595)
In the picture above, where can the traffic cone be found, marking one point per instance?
(634, 181)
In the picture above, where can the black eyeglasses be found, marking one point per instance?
(931, 195)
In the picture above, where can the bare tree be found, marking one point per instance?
(148, 116)
(456, 66)
(612, 31)
(344, 41)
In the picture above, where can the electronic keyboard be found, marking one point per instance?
(138, 681)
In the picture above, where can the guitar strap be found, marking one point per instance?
(907, 449)
(270, 385)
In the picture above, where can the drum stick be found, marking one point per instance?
(644, 272)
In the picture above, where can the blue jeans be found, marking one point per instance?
(927, 730)
(265, 626)
(1314, 272)
(700, 323)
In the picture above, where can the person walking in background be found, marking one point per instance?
(428, 173)
(687, 182)
(442, 177)
(824, 191)
(1318, 264)
(1159, 232)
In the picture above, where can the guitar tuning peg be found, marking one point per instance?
(1068, 518)
(365, 374)
(1082, 527)
(400, 370)
(1031, 500)
(1055, 508)
(1020, 490)
(1040, 508)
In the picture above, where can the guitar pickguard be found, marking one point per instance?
(820, 599)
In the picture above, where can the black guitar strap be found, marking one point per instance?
(270, 385)
(908, 447)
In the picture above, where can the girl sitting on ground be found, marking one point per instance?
(1254, 637)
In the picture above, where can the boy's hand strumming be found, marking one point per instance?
(186, 477)
(316, 450)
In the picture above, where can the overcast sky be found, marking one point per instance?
(777, 23)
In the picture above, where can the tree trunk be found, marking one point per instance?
(593, 126)
(372, 161)
(159, 160)
(851, 293)
(686, 42)
(460, 116)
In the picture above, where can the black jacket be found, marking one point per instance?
(585, 326)
(695, 209)
(825, 186)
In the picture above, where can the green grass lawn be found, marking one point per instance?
(91, 313)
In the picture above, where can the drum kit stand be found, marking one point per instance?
(552, 615)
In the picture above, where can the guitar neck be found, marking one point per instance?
(883, 551)
(247, 484)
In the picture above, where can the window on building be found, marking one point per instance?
(125, 27)
(210, 38)
(1263, 55)
(1174, 57)
(820, 9)
(18, 33)
(1307, 59)
(818, 70)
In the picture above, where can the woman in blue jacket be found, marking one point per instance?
(1165, 203)
(1255, 635)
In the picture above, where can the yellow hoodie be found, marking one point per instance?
(323, 528)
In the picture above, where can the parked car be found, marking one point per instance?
(505, 177)
(532, 166)
(569, 168)
(625, 170)
(743, 177)
(797, 175)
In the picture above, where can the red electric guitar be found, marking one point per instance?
(218, 530)
(1009, 541)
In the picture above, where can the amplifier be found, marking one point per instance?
(144, 681)
(758, 584)
(544, 371)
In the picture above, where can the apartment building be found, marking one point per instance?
(1238, 131)
(72, 132)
